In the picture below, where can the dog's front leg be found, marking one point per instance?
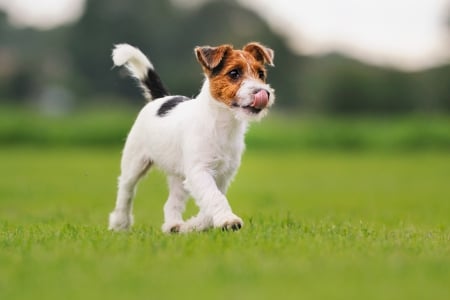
(214, 207)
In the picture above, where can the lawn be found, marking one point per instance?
(318, 225)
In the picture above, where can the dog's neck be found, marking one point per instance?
(218, 113)
(218, 109)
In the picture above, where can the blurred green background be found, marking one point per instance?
(57, 86)
(67, 69)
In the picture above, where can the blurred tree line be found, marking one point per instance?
(73, 62)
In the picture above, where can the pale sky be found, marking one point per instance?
(408, 34)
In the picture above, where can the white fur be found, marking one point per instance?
(246, 89)
(198, 144)
(135, 61)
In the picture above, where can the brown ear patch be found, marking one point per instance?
(210, 57)
(261, 53)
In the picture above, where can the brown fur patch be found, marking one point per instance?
(261, 53)
(223, 85)
(210, 57)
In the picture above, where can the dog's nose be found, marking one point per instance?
(260, 99)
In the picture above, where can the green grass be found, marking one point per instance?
(319, 225)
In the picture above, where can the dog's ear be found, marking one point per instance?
(210, 57)
(261, 53)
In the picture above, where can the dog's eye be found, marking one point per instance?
(261, 75)
(234, 74)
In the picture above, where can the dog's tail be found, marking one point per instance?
(140, 68)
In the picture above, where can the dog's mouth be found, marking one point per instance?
(260, 102)
(248, 108)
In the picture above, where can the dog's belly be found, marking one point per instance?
(167, 157)
(220, 166)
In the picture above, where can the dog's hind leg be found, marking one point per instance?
(134, 165)
(175, 205)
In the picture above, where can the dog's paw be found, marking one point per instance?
(228, 222)
(120, 221)
(234, 225)
(196, 223)
(172, 227)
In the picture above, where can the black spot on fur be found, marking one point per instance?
(154, 84)
(216, 70)
(170, 103)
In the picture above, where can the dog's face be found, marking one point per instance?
(237, 78)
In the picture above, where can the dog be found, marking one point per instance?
(197, 142)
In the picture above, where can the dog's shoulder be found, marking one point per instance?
(167, 104)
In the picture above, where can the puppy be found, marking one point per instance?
(197, 142)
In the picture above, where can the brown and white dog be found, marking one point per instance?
(197, 142)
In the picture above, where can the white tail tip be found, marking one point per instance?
(133, 59)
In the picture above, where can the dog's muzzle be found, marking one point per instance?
(260, 100)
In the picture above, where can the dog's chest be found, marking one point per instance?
(227, 151)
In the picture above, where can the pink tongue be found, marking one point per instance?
(260, 99)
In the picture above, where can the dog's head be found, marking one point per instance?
(237, 78)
